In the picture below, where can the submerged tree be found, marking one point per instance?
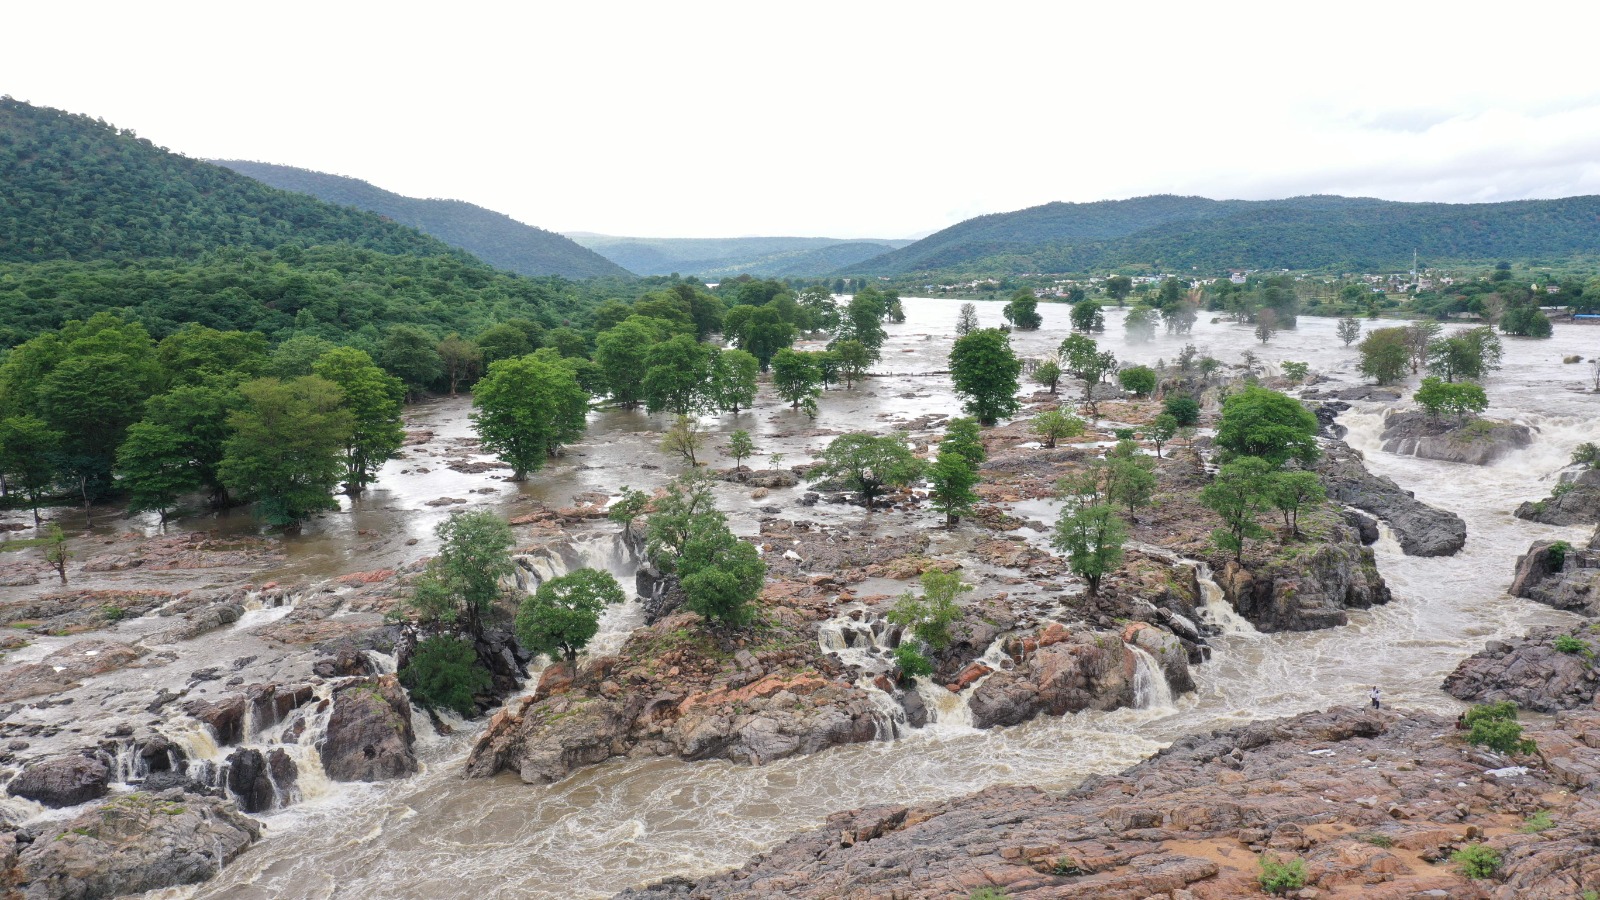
(868, 464)
(526, 409)
(984, 372)
(462, 582)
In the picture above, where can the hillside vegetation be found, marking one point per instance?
(1167, 233)
(766, 257)
(493, 237)
(78, 188)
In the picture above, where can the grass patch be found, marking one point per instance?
(1376, 840)
(1539, 821)
(1477, 860)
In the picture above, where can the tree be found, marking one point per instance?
(1183, 408)
(194, 353)
(733, 380)
(965, 437)
(461, 359)
(684, 439)
(1266, 325)
(1139, 381)
(563, 615)
(686, 508)
(740, 447)
(759, 331)
(199, 412)
(867, 464)
(1257, 422)
(984, 372)
(28, 449)
(284, 452)
(951, 479)
(1086, 317)
(526, 409)
(967, 319)
(1091, 536)
(1349, 330)
(1130, 477)
(1118, 287)
(1291, 492)
(1468, 354)
(373, 398)
(154, 468)
(930, 616)
(1296, 371)
(678, 375)
(1441, 398)
(1085, 360)
(1419, 335)
(1140, 324)
(1525, 319)
(854, 360)
(795, 376)
(1384, 355)
(56, 552)
(1163, 429)
(721, 577)
(622, 353)
(1023, 311)
(411, 355)
(295, 356)
(1241, 490)
(821, 310)
(1053, 425)
(508, 340)
(1048, 374)
(462, 582)
(444, 673)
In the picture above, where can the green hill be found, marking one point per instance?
(1180, 234)
(78, 188)
(493, 237)
(766, 257)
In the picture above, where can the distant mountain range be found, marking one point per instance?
(495, 238)
(767, 257)
(1179, 234)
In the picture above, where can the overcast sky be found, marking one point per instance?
(853, 119)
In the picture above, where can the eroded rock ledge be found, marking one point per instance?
(1422, 530)
(1373, 802)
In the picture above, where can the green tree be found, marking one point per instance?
(462, 582)
(508, 340)
(678, 375)
(1086, 317)
(1118, 287)
(930, 616)
(569, 343)
(194, 353)
(56, 551)
(1264, 423)
(284, 452)
(1468, 354)
(1441, 398)
(863, 320)
(526, 409)
(964, 436)
(1384, 355)
(373, 398)
(795, 376)
(1139, 381)
(684, 440)
(1162, 430)
(1130, 477)
(199, 413)
(28, 450)
(759, 331)
(295, 356)
(411, 355)
(733, 380)
(1420, 336)
(154, 468)
(1091, 536)
(1349, 330)
(460, 358)
(984, 372)
(721, 577)
(1266, 325)
(1183, 408)
(867, 464)
(951, 480)
(1525, 319)
(1140, 324)
(1292, 492)
(444, 673)
(622, 353)
(1494, 725)
(1242, 489)
(854, 360)
(1023, 311)
(740, 447)
(1048, 374)
(563, 615)
(687, 507)
(822, 312)
(1052, 425)
(1084, 359)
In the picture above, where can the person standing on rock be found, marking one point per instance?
(1375, 695)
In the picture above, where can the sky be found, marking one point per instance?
(841, 119)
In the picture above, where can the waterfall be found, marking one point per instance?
(859, 639)
(1215, 608)
(891, 719)
(1150, 687)
(604, 552)
(946, 709)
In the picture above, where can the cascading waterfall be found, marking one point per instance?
(865, 642)
(1150, 687)
(947, 710)
(604, 552)
(1214, 606)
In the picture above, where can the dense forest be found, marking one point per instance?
(78, 188)
(493, 237)
(1171, 234)
(765, 257)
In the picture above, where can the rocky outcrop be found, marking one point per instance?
(132, 844)
(1372, 803)
(369, 734)
(1575, 501)
(261, 781)
(1421, 529)
(1070, 672)
(1476, 442)
(64, 781)
(65, 668)
(1306, 585)
(1563, 577)
(1532, 671)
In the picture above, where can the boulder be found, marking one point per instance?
(1309, 588)
(1574, 586)
(63, 781)
(1576, 501)
(1089, 670)
(260, 782)
(1421, 529)
(1476, 442)
(1530, 672)
(369, 735)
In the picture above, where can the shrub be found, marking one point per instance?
(1279, 877)
(113, 613)
(1139, 381)
(444, 672)
(911, 662)
(1441, 398)
(1494, 725)
(1558, 554)
(1296, 371)
(1124, 434)
(1587, 454)
(1566, 643)
(1539, 821)
(1184, 408)
(1477, 860)
(989, 893)
(1066, 867)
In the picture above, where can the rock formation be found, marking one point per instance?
(1532, 671)
(1575, 501)
(369, 732)
(1422, 530)
(1476, 442)
(1564, 577)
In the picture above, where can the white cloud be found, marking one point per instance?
(848, 119)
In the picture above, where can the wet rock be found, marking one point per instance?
(1308, 586)
(65, 668)
(1574, 586)
(225, 717)
(1357, 393)
(369, 734)
(660, 594)
(1168, 651)
(1531, 672)
(63, 781)
(1575, 502)
(1087, 670)
(132, 844)
(1476, 442)
(347, 661)
(1365, 525)
(249, 781)
(1421, 530)
(916, 709)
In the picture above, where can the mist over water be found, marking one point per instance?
(626, 822)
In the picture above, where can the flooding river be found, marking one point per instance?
(623, 823)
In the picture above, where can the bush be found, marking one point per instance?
(444, 672)
(911, 663)
(1558, 554)
(1566, 643)
(1477, 860)
(1279, 877)
(1442, 398)
(989, 893)
(1539, 821)
(1587, 454)
(1183, 408)
(1296, 371)
(1139, 381)
(1494, 725)
(1376, 840)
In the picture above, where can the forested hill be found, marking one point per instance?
(765, 257)
(493, 237)
(1167, 233)
(78, 188)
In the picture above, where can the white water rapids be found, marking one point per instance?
(625, 822)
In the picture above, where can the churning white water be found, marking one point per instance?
(618, 824)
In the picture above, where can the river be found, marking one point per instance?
(626, 822)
